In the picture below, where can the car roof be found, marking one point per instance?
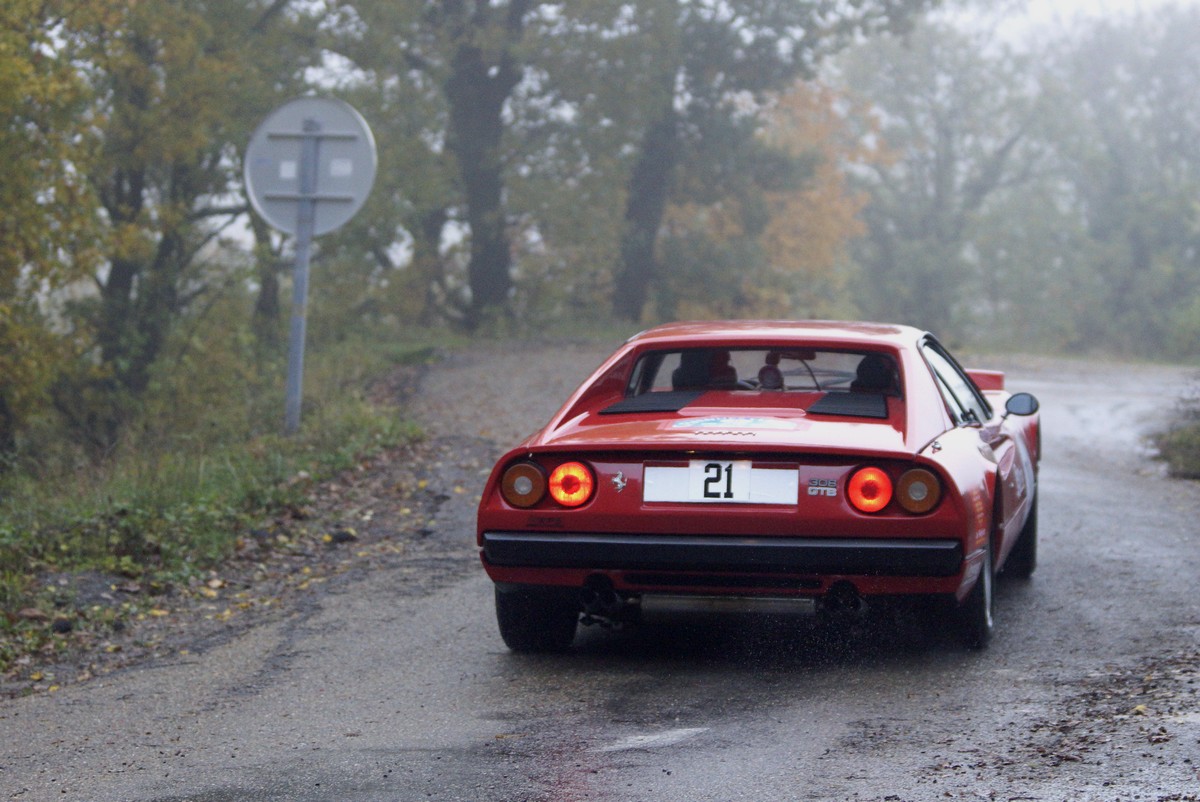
(734, 332)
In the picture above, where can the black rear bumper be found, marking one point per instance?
(763, 555)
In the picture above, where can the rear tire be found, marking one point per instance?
(536, 619)
(1022, 560)
(976, 620)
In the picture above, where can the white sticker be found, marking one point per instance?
(734, 422)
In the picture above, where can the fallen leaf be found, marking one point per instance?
(343, 535)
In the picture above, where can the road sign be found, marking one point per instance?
(309, 168)
(342, 176)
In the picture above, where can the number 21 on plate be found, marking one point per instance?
(719, 480)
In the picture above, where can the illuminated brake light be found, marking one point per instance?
(918, 491)
(870, 490)
(523, 485)
(571, 484)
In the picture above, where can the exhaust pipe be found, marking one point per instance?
(598, 597)
(842, 602)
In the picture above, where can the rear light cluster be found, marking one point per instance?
(525, 484)
(871, 489)
(572, 484)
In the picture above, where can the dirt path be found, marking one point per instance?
(494, 393)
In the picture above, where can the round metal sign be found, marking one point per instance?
(310, 150)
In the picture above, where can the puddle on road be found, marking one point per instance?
(655, 741)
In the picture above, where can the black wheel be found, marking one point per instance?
(536, 619)
(1022, 560)
(976, 613)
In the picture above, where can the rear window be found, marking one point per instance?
(763, 370)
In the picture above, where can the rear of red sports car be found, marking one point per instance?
(739, 466)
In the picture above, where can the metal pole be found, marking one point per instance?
(305, 220)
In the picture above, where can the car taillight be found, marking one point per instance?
(870, 489)
(918, 490)
(523, 485)
(572, 484)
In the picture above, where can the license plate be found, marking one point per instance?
(720, 482)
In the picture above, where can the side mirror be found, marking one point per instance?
(1021, 404)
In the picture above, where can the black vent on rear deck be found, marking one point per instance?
(854, 405)
(654, 402)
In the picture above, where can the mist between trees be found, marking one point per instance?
(590, 160)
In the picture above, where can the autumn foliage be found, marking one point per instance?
(811, 226)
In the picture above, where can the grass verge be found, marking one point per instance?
(190, 478)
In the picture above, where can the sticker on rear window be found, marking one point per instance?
(733, 422)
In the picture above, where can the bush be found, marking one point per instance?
(1179, 446)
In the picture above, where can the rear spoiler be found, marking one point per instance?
(987, 380)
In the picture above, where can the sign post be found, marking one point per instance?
(308, 169)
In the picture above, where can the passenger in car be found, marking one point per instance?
(723, 374)
(875, 374)
(770, 377)
(698, 370)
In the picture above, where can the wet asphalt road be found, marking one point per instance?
(387, 688)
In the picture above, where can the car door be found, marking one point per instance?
(969, 408)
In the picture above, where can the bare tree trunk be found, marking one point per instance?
(267, 310)
(649, 189)
(476, 91)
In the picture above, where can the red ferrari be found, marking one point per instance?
(749, 465)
